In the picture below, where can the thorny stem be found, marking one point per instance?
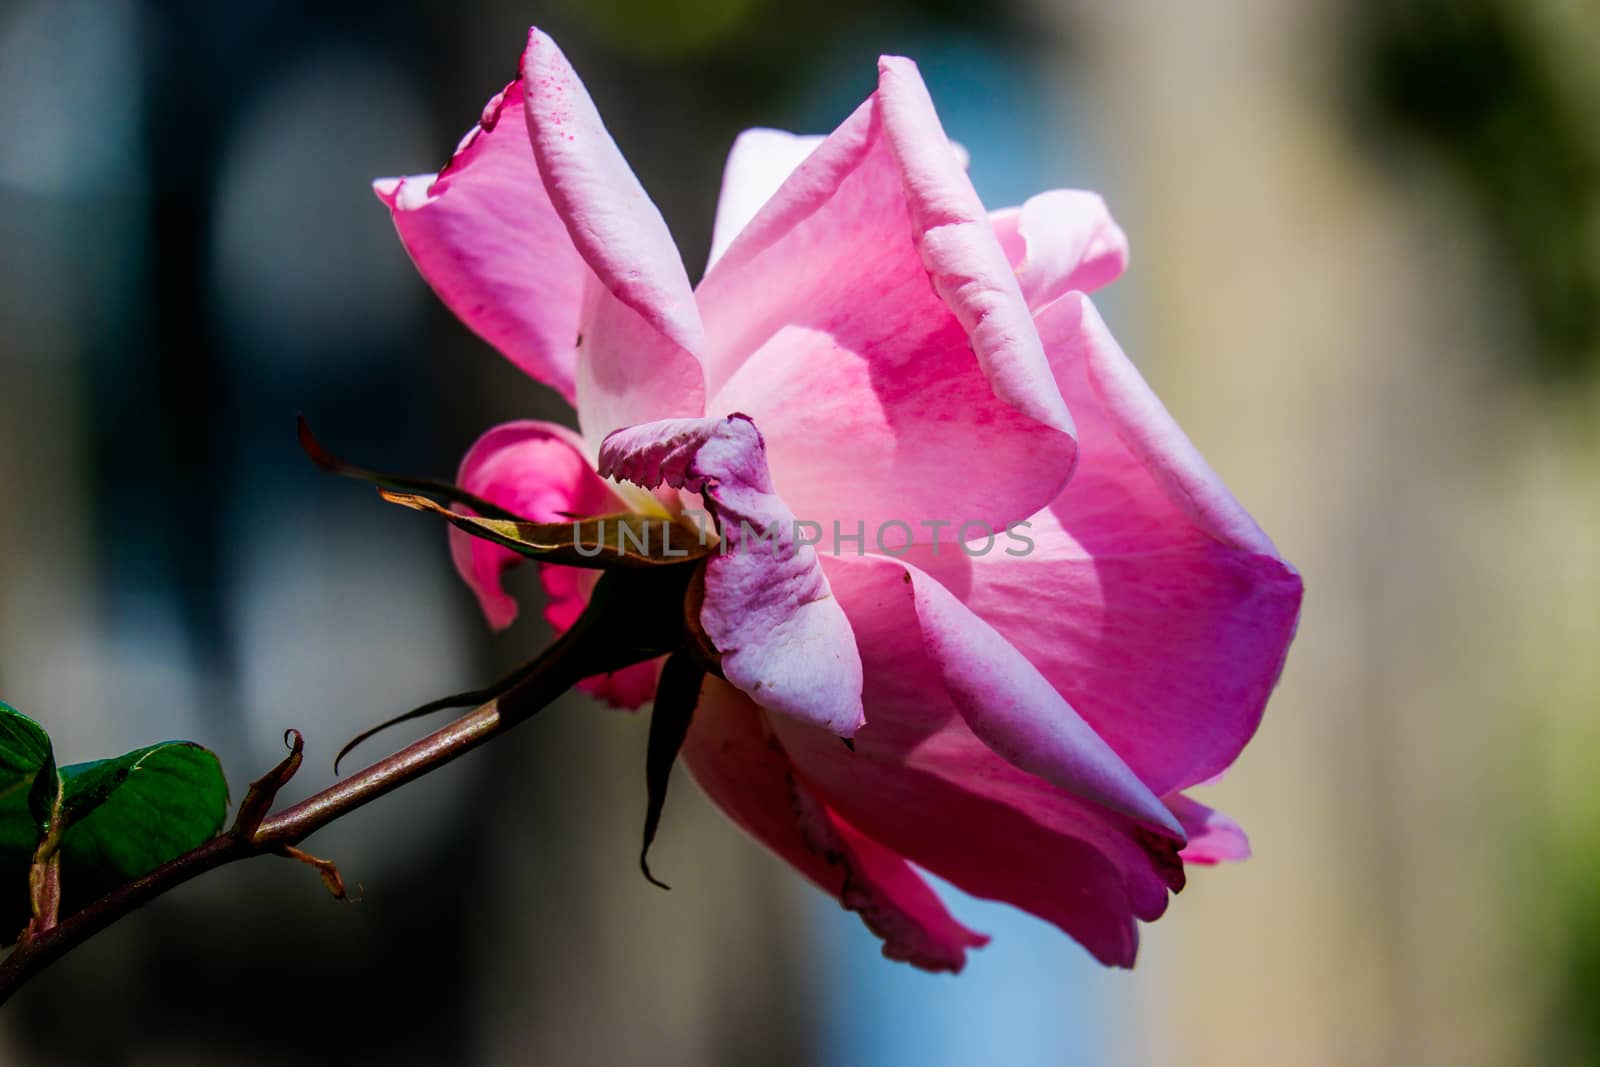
(254, 833)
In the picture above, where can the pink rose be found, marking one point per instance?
(871, 353)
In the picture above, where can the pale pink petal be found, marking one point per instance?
(1170, 655)
(870, 297)
(541, 239)
(639, 355)
(1213, 837)
(1149, 598)
(783, 638)
(743, 768)
(758, 163)
(485, 236)
(960, 251)
(1059, 241)
(1005, 701)
(921, 782)
(1095, 373)
(812, 186)
(537, 470)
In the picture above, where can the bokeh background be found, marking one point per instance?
(1366, 279)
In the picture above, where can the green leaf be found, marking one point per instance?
(120, 818)
(27, 782)
(28, 786)
(126, 816)
(603, 542)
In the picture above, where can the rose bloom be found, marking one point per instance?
(869, 345)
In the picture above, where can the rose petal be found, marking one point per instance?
(758, 163)
(1176, 612)
(921, 782)
(538, 470)
(1059, 241)
(540, 237)
(641, 335)
(1213, 837)
(1144, 445)
(743, 768)
(486, 238)
(960, 251)
(870, 296)
(1005, 701)
(783, 638)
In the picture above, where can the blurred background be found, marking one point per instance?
(1366, 279)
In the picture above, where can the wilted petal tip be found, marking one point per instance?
(405, 193)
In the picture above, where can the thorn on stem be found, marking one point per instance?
(264, 790)
(326, 869)
(468, 699)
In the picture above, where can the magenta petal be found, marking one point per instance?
(1060, 241)
(743, 768)
(639, 354)
(965, 822)
(630, 688)
(1213, 837)
(869, 296)
(485, 236)
(897, 903)
(784, 639)
(538, 470)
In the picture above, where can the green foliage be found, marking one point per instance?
(118, 818)
(27, 778)
(27, 793)
(129, 815)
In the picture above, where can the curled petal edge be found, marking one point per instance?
(783, 638)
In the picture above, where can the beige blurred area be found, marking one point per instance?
(1327, 325)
